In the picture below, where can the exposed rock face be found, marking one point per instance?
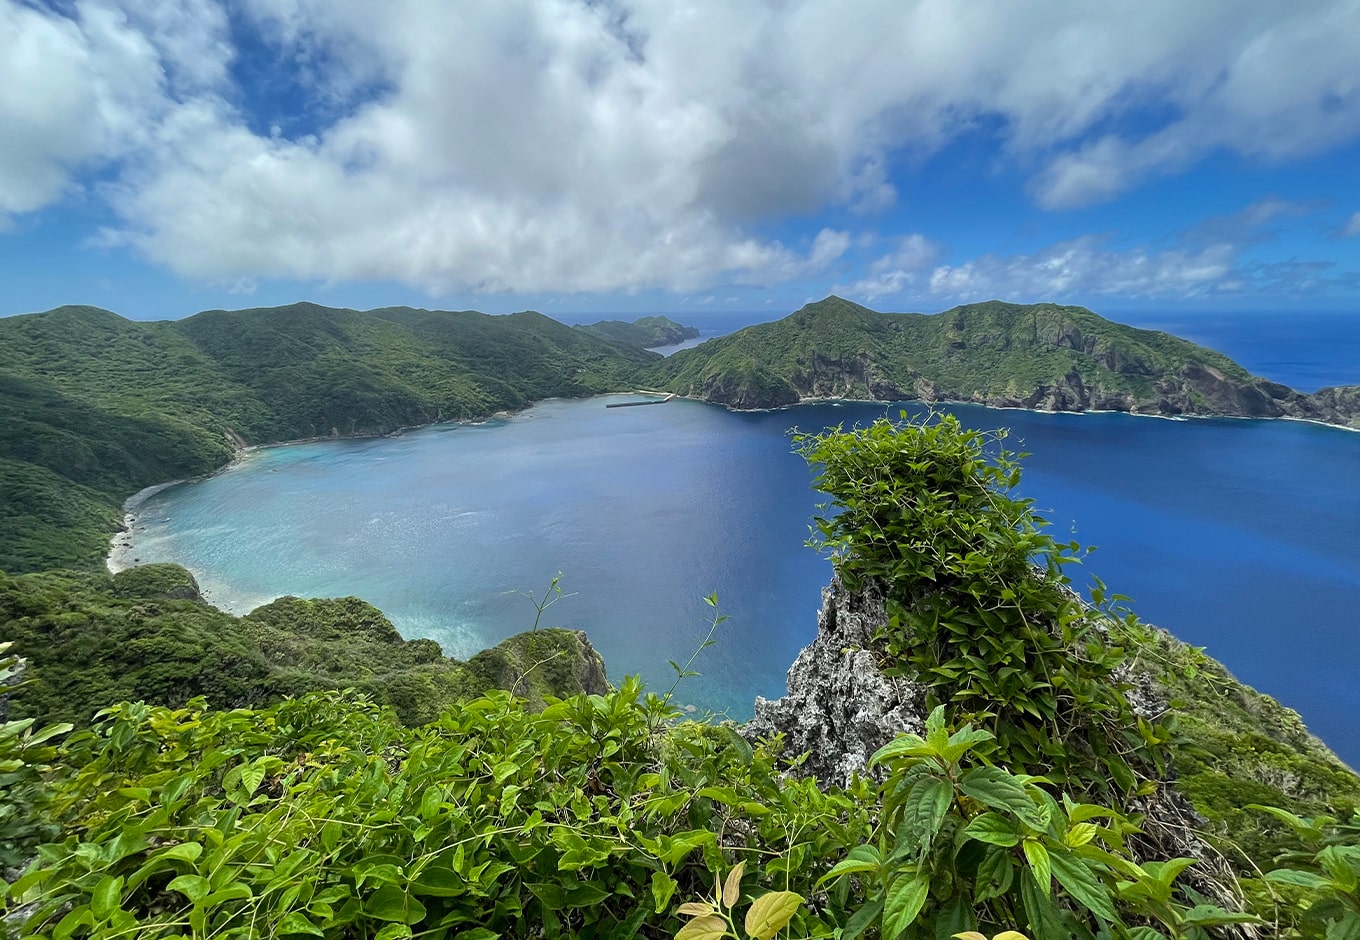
(1338, 405)
(840, 708)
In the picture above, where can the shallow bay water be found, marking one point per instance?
(1236, 535)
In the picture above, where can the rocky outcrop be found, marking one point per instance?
(1338, 405)
(541, 663)
(840, 707)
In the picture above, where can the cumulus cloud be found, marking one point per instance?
(897, 272)
(565, 145)
(1087, 266)
(1206, 259)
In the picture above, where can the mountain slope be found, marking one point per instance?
(98, 407)
(1043, 356)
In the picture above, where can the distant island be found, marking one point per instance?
(644, 332)
(1045, 357)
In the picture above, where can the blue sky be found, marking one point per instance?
(623, 156)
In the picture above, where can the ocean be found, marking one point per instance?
(1236, 535)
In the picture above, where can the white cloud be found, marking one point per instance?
(895, 273)
(1085, 266)
(1352, 228)
(560, 145)
(1208, 258)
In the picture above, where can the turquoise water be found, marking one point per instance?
(1236, 535)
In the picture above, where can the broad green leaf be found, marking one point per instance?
(47, 733)
(1039, 864)
(906, 896)
(925, 808)
(1291, 876)
(252, 775)
(998, 789)
(663, 888)
(550, 895)
(478, 933)
(193, 887)
(770, 913)
(964, 740)
(993, 829)
(1346, 928)
(296, 923)
(1080, 834)
(1333, 860)
(847, 867)
(995, 874)
(398, 932)
(184, 852)
(391, 902)
(1083, 885)
(1207, 915)
(936, 736)
(236, 891)
(710, 927)
(904, 745)
(1145, 933)
(955, 917)
(106, 897)
(1044, 919)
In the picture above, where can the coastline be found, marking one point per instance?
(122, 545)
(815, 400)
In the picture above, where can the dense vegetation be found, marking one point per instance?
(644, 332)
(326, 816)
(144, 633)
(1033, 356)
(98, 407)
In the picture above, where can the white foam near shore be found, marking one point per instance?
(121, 546)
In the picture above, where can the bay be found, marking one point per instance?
(1236, 535)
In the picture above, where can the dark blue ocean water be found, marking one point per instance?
(1239, 536)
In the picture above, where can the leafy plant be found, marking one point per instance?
(712, 918)
(25, 756)
(980, 609)
(1320, 884)
(962, 845)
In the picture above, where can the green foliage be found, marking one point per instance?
(145, 634)
(1316, 889)
(324, 816)
(1037, 355)
(643, 332)
(963, 845)
(980, 610)
(1236, 746)
(24, 756)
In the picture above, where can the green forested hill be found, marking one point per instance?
(643, 332)
(145, 633)
(97, 407)
(1044, 356)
